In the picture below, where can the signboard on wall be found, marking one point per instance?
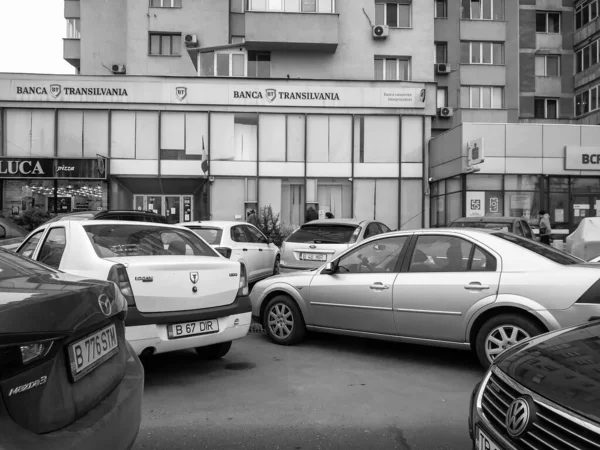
(582, 158)
(475, 152)
(220, 92)
(476, 204)
(52, 168)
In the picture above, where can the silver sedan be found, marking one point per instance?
(482, 290)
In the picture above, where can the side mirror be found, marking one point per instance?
(329, 269)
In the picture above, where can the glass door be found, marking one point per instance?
(139, 202)
(155, 204)
(173, 208)
(584, 206)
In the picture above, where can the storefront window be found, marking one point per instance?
(559, 184)
(559, 210)
(376, 200)
(234, 137)
(376, 139)
(591, 185)
(522, 204)
(453, 184)
(438, 188)
(484, 182)
(522, 182)
(454, 211)
(329, 138)
(412, 210)
(335, 196)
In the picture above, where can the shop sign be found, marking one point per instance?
(475, 204)
(582, 158)
(50, 168)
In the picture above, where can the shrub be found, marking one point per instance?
(32, 218)
(269, 224)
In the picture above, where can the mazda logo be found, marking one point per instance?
(105, 305)
(517, 417)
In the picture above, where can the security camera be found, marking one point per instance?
(430, 179)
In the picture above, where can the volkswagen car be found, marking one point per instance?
(541, 394)
(479, 290)
(68, 377)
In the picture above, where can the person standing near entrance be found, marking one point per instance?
(545, 228)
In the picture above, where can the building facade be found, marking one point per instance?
(198, 149)
(587, 61)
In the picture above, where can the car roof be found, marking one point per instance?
(215, 223)
(489, 219)
(336, 222)
(87, 223)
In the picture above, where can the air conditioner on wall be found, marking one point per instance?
(191, 39)
(118, 68)
(446, 112)
(381, 31)
(443, 68)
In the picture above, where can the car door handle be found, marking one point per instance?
(476, 286)
(245, 249)
(378, 287)
(260, 249)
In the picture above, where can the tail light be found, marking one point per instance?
(226, 252)
(243, 290)
(33, 352)
(354, 236)
(118, 275)
(15, 357)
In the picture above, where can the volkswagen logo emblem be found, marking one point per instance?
(105, 305)
(517, 417)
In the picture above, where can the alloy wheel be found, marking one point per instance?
(501, 338)
(280, 321)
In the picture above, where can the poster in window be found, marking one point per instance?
(475, 204)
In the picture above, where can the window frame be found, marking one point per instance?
(46, 237)
(172, 4)
(558, 57)
(74, 28)
(397, 59)
(353, 251)
(28, 240)
(255, 233)
(492, 9)
(248, 7)
(546, 100)
(248, 61)
(592, 94)
(243, 231)
(481, 53)
(547, 14)
(444, 4)
(215, 65)
(398, 4)
(579, 11)
(481, 97)
(580, 56)
(160, 43)
(443, 89)
(444, 46)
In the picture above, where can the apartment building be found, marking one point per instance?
(587, 58)
(206, 109)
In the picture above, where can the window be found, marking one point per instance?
(397, 69)
(547, 66)
(446, 254)
(331, 234)
(372, 230)
(53, 248)
(222, 64)
(73, 29)
(28, 248)
(487, 97)
(582, 102)
(585, 13)
(165, 3)
(587, 56)
(238, 39)
(255, 236)
(380, 256)
(546, 108)
(305, 6)
(394, 15)
(543, 250)
(210, 235)
(482, 53)
(547, 22)
(441, 53)
(442, 97)
(259, 65)
(483, 9)
(441, 9)
(238, 234)
(165, 44)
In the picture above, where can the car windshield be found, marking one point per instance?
(117, 240)
(15, 266)
(323, 234)
(486, 225)
(210, 235)
(541, 249)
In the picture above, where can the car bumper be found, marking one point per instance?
(155, 336)
(114, 423)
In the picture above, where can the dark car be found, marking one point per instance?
(133, 216)
(68, 377)
(543, 393)
(516, 225)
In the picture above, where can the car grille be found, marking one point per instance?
(552, 431)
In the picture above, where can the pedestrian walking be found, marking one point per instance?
(311, 214)
(252, 219)
(329, 215)
(545, 228)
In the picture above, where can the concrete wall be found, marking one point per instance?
(445, 154)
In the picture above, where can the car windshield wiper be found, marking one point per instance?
(325, 241)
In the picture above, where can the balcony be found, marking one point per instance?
(72, 51)
(482, 30)
(282, 31)
(72, 10)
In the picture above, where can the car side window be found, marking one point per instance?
(255, 235)
(372, 230)
(53, 247)
(440, 254)
(29, 246)
(380, 256)
(482, 261)
(238, 234)
(384, 228)
(519, 229)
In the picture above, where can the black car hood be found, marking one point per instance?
(49, 302)
(563, 367)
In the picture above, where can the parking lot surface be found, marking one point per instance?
(331, 392)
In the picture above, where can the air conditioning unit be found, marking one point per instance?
(191, 39)
(118, 68)
(446, 112)
(443, 68)
(381, 31)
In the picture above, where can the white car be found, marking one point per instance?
(241, 241)
(181, 293)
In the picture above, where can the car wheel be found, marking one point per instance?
(502, 332)
(276, 266)
(214, 351)
(283, 321)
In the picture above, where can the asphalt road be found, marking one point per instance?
(331, 392)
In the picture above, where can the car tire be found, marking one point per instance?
(215, 351)
(276, 266)
(285, 310)
(490, 339)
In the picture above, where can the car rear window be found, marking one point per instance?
(118, 240)
(210, 235)
(541, 249)
(323, 234)
(486, 225)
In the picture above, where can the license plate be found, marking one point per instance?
(484, 442)
(91, 351)
(312, 257)
(180, 330)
